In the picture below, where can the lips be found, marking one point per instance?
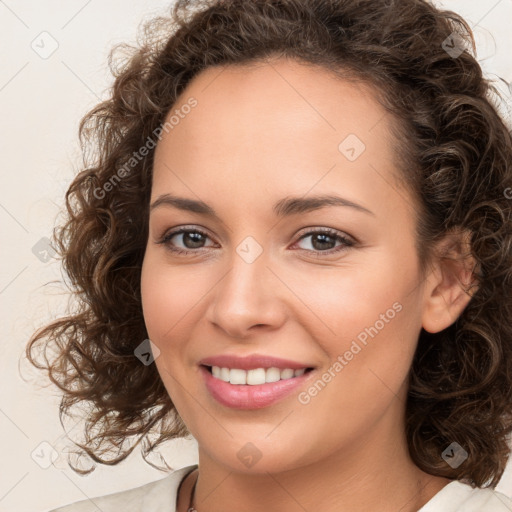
(241, 396)
(252, 362)
(252, 397)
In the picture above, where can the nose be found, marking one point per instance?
(247, 299)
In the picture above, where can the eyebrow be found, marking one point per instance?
(283, 208)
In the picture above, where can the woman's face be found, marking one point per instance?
(270, 275)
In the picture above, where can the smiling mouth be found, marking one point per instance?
(256, 376)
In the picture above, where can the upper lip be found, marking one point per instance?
(251, 362)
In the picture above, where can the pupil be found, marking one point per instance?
(323, 240)
(192, 236)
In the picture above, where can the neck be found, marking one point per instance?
(294, 491)
(371, 472)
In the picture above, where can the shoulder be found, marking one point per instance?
(460, 497)
(157, 496)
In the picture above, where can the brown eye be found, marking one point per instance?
(185, 240)
(324, 241)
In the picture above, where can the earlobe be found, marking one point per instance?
(450, 284)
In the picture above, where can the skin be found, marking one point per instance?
(258, 134)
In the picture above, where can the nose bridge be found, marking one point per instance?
(246, 296)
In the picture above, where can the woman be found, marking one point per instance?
(295, 244)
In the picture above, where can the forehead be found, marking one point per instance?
(281, 125)
(263, 97)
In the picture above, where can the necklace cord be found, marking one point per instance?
(192, 496)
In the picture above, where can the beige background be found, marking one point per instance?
(42, 101)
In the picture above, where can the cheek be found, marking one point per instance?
(366, 314)
(169, 296)
(338, 303)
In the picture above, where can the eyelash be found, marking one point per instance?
(346, 243)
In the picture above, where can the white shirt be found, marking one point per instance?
(161, 496)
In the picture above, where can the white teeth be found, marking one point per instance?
(224, 374)
(255, 376)
(272, 375)
(237, 376)
(286, 373)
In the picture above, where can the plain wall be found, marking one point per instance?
(42, 99)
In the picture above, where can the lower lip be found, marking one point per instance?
(239, 396)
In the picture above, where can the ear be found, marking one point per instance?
(451, 282)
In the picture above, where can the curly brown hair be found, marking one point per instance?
(455, 152)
